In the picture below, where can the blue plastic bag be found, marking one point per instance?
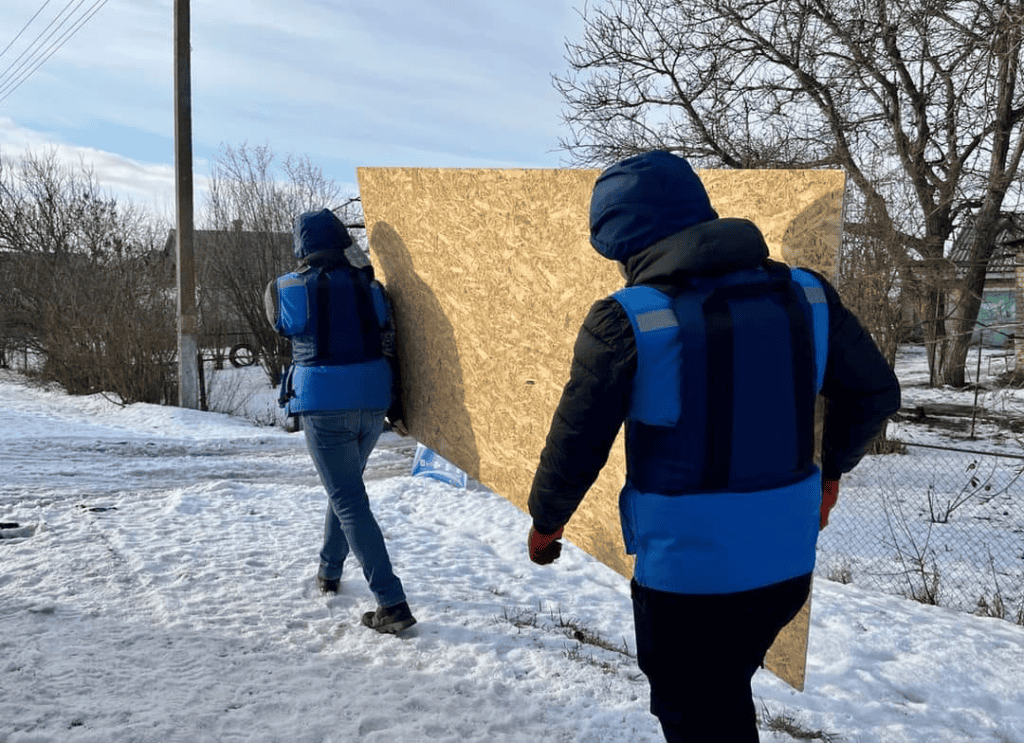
(428, 463)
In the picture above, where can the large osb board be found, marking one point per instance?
(492, 273)
(799, 211)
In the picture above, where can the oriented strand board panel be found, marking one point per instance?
(799, 211)
(787, 657)
(492, 273)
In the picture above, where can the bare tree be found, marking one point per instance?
(924, 96)
(87, 290)
(254, 199)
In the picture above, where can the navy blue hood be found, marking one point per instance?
(644, 199)
(320, 238)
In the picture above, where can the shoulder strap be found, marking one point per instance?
(380, 303)
(290, 305)
(814, 293)
(322, 281)
(655, 328)
(366, 306)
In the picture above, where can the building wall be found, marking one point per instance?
(997, 316)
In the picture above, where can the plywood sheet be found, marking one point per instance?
(492, 273)
(787, 657)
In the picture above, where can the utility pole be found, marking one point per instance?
(188, 318)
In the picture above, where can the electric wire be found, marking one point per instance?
(12, 82)
(18, 35)
(21, 60)
(37, 58)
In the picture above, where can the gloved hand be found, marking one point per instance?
(829, 496)
(544, 548)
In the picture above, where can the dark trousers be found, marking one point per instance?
(699, 654)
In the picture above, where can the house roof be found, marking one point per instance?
(232, 238)
(1009, 242)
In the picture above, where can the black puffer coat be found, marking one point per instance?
(861, 389)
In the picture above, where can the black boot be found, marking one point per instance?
(390, 620)
(328, 585)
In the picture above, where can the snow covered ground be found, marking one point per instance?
(933, 519)
(159, 587)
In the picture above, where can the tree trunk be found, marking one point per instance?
(935, 338)
(954, 371)
(971, 291)
(954, 374)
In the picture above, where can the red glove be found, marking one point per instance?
(544, 548)
(829, 496)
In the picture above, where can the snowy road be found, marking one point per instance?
(163, 592)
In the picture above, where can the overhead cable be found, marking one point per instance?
(13, 81)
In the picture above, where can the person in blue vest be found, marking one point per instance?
(713, 356)
(342, 383)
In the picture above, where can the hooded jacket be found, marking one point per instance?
(340, 322)
(656, 251)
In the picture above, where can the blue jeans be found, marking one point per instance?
(340, 444)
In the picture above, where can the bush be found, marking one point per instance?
(89, 291)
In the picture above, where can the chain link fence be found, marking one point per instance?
(940, 525)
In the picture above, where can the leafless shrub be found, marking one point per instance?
(786, 722)
(89, 290)
(919, 568)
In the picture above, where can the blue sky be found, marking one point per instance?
(428, 83)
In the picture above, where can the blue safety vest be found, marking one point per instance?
(722, 493)
(333, 317)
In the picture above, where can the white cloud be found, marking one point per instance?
(424, 83)
(145, 184)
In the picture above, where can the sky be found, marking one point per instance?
(441, 83)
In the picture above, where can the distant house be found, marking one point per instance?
(1002, 302)
(258, 256)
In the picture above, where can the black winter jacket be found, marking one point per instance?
(862, 391)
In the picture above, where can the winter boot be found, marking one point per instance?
(328, 585)
(390, 620)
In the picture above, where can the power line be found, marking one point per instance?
(32, 48)
(18, 35)
(39, 56)
(15, 80)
